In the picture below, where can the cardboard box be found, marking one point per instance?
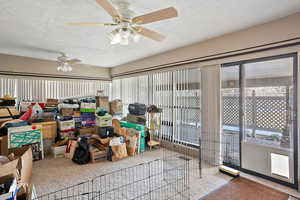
(70, 149)
(66, 112)
(66, 125)
(4, 113)
(3, 146)
(116, 107)
(97, 155)
(20, 168)
(102, 102)
(13, 111)
(59, 151)
(9, 171)
(87, 131)
(104, 121)
(49, 129)
(52, 102)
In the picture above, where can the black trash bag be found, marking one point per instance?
(110, 153)
(82, 153)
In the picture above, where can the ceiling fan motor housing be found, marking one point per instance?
(123, 8)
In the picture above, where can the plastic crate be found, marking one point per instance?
(59, 152)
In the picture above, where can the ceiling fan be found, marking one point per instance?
(128, 27)
(64, 64)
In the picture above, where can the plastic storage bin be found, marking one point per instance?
(141, 129)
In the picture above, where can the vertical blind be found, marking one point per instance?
(40, 89)
(177, 93)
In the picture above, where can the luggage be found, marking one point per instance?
(137, 119)
(137, 109)
(70, 101)
(105, 132)
(82, 153)
(88, 100)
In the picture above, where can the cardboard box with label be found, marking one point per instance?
(102, 102)
(104, 121)
(116, 107)
(66, 112)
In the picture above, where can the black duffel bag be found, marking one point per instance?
(82, 154)
(137, 109)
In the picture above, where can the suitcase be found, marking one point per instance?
(137, 109)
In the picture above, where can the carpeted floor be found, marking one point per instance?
(53, 174)
(245, 189)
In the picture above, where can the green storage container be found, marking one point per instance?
(87, 109)
(139, 128)
(143, 144)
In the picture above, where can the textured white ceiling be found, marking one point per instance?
(36, 28)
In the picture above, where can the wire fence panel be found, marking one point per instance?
(159, 179)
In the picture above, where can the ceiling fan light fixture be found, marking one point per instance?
(129, 27)
(59, 68)
(124, 41)
(64, 67)
(136, 37)
(114, 37)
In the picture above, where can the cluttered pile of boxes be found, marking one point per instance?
(15, 175)
(15, 164)
(83, 130)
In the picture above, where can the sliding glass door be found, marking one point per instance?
(230, 109)
(259, 105)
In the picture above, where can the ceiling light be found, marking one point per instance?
(124, 40)
(136, 37)
(123, 36)
(64, 67)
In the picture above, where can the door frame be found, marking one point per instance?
(295, 113)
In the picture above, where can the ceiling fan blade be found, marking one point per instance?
(90, 24)
(150, 34)
(72, 61)
(108, 7)
(156, 16)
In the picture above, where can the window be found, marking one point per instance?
(177, 93)
(39, 89)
